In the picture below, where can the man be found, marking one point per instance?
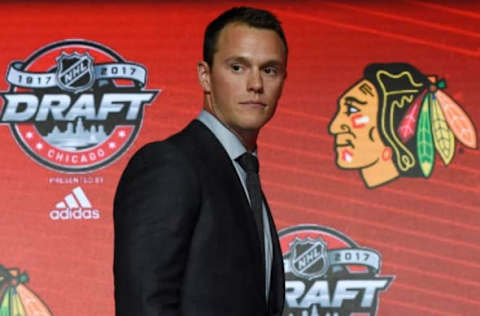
(193, 232)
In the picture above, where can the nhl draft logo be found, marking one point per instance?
(328, 274)
(75, 105)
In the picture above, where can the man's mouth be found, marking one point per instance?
(347, 143)
(253, 103)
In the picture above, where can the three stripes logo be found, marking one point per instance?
(75, 206)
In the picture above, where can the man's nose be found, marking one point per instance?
(334, 126)
(339, 125)
(255, 82)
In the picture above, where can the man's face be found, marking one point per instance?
(246, 77)
(357, 141)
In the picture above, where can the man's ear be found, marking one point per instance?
(203, 72)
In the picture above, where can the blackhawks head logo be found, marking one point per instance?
(394, 121)
(328, 274)
(75, 106)
(16, 299)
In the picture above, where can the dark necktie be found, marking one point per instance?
(249, 163)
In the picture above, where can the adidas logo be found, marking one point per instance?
(76, 206)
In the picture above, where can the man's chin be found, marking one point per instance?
(345, 165)
(345, 158)
(342, 163)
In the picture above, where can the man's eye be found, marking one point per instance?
(271, 70)
(351, 109)
(236, 67)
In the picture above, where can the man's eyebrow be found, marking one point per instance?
(246, 61)
(238, 59)
(273, 62)
(353, 99)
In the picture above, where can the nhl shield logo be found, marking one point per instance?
(308, 258)
(75, 72)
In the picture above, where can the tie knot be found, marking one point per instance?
(248, 162)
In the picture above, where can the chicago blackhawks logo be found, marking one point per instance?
(75, 106)
(393, 122)
(16, 299)
(328, 274)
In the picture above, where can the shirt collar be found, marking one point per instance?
(229, 141)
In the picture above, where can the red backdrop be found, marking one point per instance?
(426, 230)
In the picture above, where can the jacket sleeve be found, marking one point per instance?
(155, 211)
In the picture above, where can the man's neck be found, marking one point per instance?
(246, 137)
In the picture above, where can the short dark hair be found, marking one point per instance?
(250, 16)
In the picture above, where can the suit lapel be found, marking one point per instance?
(219, 165)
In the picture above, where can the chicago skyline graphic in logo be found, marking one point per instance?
(16, 299)
(394, 121)
(75, 105)
(328, 274)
